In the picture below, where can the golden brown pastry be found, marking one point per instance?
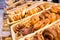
(50, 32)
(11, 2)
(17, 6)
(25, 13)
(14, 10)
(35, 22)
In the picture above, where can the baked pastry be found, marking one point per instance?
(49, 32)
(6, 38)
(10, 2)
(17, 15)
(16, 10)
(35, 22)
(18, 4)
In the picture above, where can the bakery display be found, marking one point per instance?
(18, 5)
(17, 15)
(49, 32)
(10, 12)
(31, 20)
(35, 22)
(10, 2)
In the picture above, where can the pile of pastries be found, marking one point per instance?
(32, 20)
